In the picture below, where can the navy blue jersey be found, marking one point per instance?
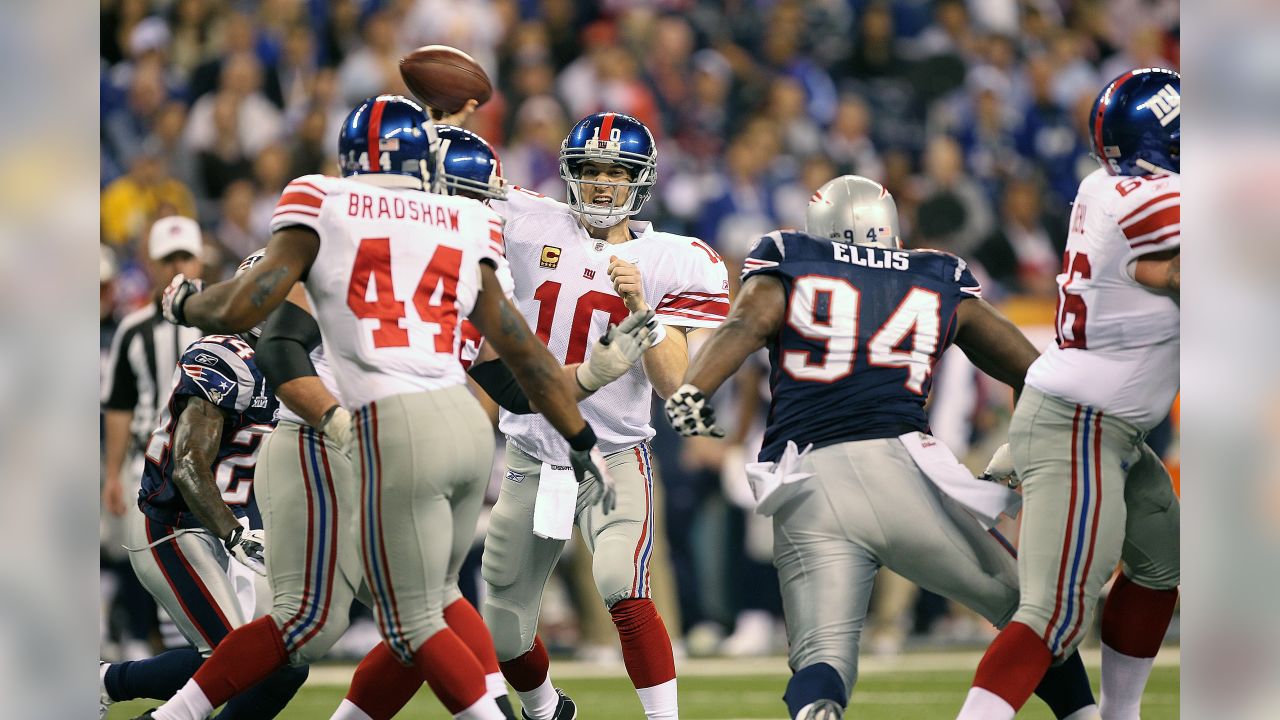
(864, 326)
(219, 369)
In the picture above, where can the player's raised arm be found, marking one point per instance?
(755, 317)
(993, 343)
(242, 302)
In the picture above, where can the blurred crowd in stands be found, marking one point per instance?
(972, 113)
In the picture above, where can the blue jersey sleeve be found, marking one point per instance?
(765, 257)
(955, 273)
(215, 371)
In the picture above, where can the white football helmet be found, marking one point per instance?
(853, 209)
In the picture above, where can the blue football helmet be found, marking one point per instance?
(255, 332)
(392, 135)
(1135, 123)
(615, 139)
(471, 167)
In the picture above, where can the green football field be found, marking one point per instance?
(913, 687)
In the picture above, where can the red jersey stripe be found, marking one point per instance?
(300, 198)
(1154, 222)
(1149, 203)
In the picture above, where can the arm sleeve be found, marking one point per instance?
(765, 256)
(966, 282)
(284, 350)
(300, 203)
(497, 380)
(216, 372)
(702, 298)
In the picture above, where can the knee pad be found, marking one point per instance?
(503, 554)
(511, 626)
(614, 569)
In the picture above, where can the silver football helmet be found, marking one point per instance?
(853, 209)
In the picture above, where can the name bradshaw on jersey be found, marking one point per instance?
(397, 273)
(864, 327)
(219, 369)
(562, 288)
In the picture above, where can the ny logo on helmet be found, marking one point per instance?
(1166, 105)
(613, 143)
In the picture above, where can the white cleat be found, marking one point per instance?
(821, 710)
(104, 699)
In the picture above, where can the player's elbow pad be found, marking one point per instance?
(283, 352)
(495, 378)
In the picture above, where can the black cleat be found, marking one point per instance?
(566, 709)
(504, 704)
(148, 715)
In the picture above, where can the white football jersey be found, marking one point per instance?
(396, 273)
(325, 373)
(562, 288)
(1118, 342)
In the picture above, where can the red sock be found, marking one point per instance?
(527, 672)
(646, 647)
(244, 658)
(453, 673)
(462, 618)
(1014, 664)
(381, 686)
(1134, 618)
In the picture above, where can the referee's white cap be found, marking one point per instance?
(174, 234)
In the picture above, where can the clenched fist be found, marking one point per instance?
(627, 283)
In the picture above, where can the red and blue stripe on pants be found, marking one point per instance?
(322, 541)
(644, 547)
(1081, 534)
(373, 544)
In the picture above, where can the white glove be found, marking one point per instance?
(246, 546)
(1001, 469)
(689, 413)
(176, 295)
(336, 425)
(617, 350)
(595, 484)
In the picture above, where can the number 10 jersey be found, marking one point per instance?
(397, 272)
(562, 288)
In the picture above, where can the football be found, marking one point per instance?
(445, 78)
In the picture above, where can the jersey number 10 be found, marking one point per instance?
(825, 310)
(435, 299)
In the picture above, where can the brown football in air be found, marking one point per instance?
(445, 78)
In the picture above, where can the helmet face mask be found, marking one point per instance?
(854, 210)
(597, 146)
(1135, 123)
(390, 136)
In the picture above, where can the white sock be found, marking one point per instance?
(659, 701)
(540, 703)
(189, 703)
(483, 709)
(348, 710)
(1088, 712)
(982, 704)
(1124, 677)
(496, 685)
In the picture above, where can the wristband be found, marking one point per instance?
(584, 440)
